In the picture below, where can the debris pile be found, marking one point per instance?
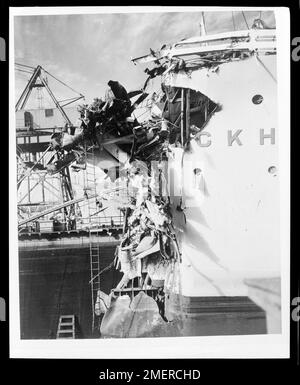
(148, 246)
(148, 243)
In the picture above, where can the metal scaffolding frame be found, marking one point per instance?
(38, 80)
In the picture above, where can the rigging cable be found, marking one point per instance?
(266, 68)
(24, 65)
(60, 81)
(26, 71)
(233, 20)
(245, 19)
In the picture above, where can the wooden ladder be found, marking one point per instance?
(66, 327)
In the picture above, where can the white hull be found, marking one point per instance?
(232, 215)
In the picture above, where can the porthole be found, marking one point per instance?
(272, 170)
(257, 99)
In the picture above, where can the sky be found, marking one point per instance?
(87, 50)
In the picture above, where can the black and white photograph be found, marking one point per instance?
(149, 186)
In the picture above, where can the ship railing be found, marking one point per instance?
(132, 292)
(98, 224)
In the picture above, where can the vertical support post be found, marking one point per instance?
(132, 289)
(55, 100)
(159, 182)
(43, 191)
(202, 25)
(28, 187)
(26, 93)
(187, 115)
(182, 117)
(206, 110)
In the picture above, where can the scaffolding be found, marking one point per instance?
(34, 154)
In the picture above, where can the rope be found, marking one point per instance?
(245, 19)
(102, 271)
(145, 112)
(60, 81)
(27, 72)
(24, 65)
(264, 66)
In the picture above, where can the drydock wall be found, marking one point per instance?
(54, 281)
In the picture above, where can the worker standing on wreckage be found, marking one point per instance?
(111, 115)
(116, 100)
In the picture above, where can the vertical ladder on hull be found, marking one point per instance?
(93, 223)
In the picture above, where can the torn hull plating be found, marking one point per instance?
(223, 185)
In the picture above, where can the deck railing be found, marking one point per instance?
(114, 222)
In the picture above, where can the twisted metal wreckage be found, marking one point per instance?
(149, 247)
(149, 251)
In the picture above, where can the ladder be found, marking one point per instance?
(90, 189)
(66, 327)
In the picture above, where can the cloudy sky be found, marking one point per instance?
(86, 51)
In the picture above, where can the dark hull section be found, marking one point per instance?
(55, 282)
(204, 316)
(185, 316)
